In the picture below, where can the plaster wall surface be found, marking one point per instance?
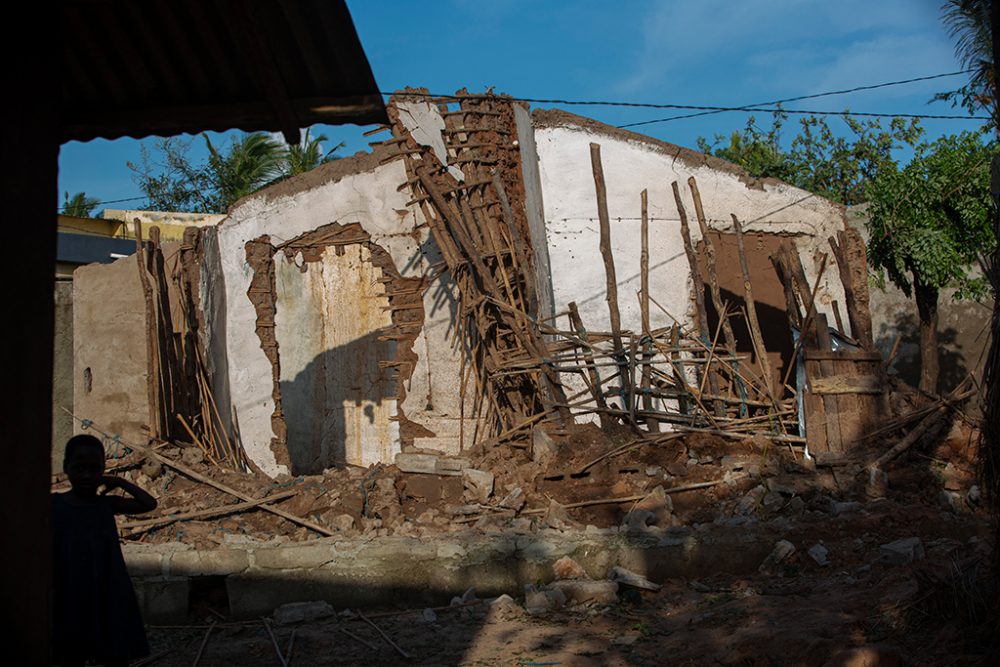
(337, 401)
(353, 190)
(631, 166)
(109, 349)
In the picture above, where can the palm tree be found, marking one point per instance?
(308, 155)
(252, 161)
(79, 205)
(968, 23)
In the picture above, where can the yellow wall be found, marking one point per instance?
(116, 229)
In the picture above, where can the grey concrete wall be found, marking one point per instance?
(350, 572)
(62, 371)
(963, 328)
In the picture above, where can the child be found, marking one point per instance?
(96, 616)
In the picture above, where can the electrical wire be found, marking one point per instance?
(763, 107)
(799, 98)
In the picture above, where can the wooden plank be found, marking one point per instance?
(849, 251)
(848, 404)
(815, 413)
(831, 355)
(847, 384)
(830, 403)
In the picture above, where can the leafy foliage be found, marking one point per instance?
(173, 181)
(755, 149)
(968, 23)
(79, 205)
(932, 219)
(841, 168)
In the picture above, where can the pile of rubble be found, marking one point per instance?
(582, 476)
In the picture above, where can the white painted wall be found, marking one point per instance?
(371, 199)
(629, 167)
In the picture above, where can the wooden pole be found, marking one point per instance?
(646, 382)
(765, 363)
(611, 281)
(710, 265)
(699, 293)
(152, 354)
(588, 357)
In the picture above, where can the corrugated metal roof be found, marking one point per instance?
(169, 66)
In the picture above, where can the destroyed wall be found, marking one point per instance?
(109, 349)
(632, 163)
(336, 324)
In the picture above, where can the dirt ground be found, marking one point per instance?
(919, 613)
(855, 610)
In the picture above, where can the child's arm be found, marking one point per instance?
(139, 503)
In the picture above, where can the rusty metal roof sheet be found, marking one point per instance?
(169, 66)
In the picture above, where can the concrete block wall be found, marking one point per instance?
(423, 571)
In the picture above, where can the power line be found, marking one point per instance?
(764, 107)
(845, 91)
(100, 203)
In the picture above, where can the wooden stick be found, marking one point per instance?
(807, 324)
(710, 264)
(742, 436)
(780, 262)
(274, 641)
(623, 448)
(628, 499)
(937, 412)
(699, 292)
(221, 510)
(358, 639)
(184, 470)
(647, 399)
(204, 642)
(152, 367)
(611, 281)
(291, 647)
(755, 332)
(384, 636)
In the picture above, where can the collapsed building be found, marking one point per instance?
(328, 326)
(499, 338)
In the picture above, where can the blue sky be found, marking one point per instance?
(713, 52)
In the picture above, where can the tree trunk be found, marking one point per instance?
(927, 298)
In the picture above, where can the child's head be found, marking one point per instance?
(83, 463)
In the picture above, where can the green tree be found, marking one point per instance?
(755, 149)
(250, 163)
(929, 222)
(173, 181)
(307, 155)
(79, 205)
(840, 167)
(968, 23)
